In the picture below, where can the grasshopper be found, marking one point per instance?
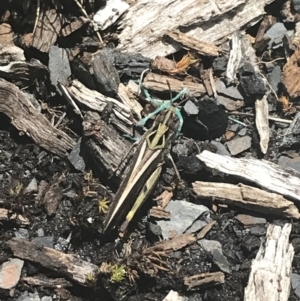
(146, 165)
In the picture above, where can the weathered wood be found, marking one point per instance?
(26, 118)
(262, 122)
(270, 276)
(47, 30)
(247, 197)
(204, 280)
(104, 147)
(145, 23)
(266, 174)
(68, 265)
(203, 48)
(158, 82)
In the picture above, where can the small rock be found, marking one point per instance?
(285, 161)
(251, 82)
(190, 108)
(44, 241)
(59, 66)
(209, 245)
(239, 145)
(220, 65)
(296, 5)
(276, 33)
(40, 232)
(249, 221)
(275, 78)
(230, 104)
(296, 244)
(221, 149)
(62, 244)
(22, 233)
(195, 297)
(10, 273)
(46, 298)
(229, 135)
(231, 91)
(75, 158)
(32, 186)
(242, 132)
(174, 296)
(29, 297)
(214, 248)
(221, 261)
(153, 232)
(234, 127)
(258, 231)
(183, 216)
(295, 279)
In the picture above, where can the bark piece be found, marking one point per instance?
(146, 22)
(266, 174)
(68, 265)
(204, 280)
(247, 197)
(53, 196)
(16, 105)
(47, 30)
(158, 82)
(262, 122)
(291, 73)
(203, 48)
(270, 276)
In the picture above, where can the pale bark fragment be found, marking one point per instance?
(247, 197)
(268, 175)
(146, 22)
(262, 122)
(270, 276)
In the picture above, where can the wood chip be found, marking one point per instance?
(262, 122)
(158, 82)
(203, 48)
(270, 276)
(291, 73)
(264, 173)
(160, 213)
(7, 215)
(68, 265)
(204, 280)
(26, 118)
